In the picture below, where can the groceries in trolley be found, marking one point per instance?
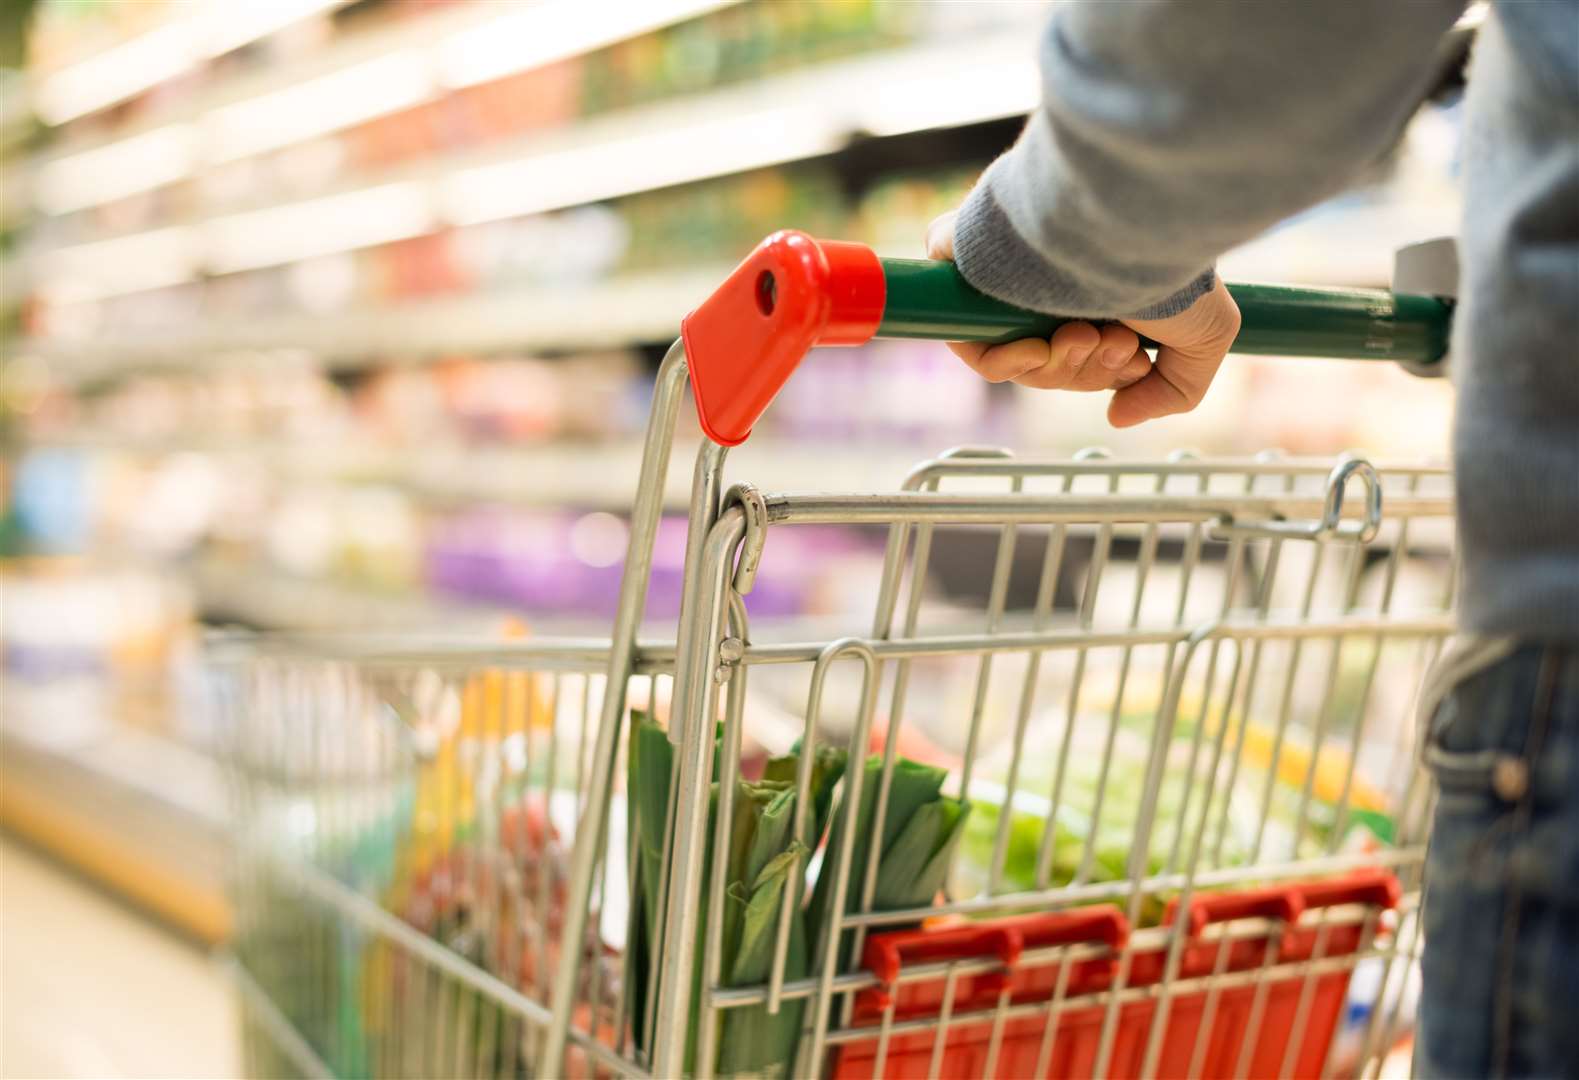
(463, 846)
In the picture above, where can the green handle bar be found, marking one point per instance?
(933, 300)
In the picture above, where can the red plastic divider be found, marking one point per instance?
(1019, 980)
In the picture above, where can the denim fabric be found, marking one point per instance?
(1500, 994)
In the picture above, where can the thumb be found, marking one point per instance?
(940, 237)
(1176, 384)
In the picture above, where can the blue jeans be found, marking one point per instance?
(1500, 974)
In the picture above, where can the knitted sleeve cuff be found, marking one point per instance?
(995, 258)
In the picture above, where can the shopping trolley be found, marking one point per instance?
(1166, 818)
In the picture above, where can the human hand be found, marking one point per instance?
(1084, 356)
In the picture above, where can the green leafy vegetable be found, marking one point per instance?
(921, 828)
(763, 865)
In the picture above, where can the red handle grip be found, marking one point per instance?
(746, 339)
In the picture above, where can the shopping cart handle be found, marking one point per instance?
(794, 292)
(928, 299)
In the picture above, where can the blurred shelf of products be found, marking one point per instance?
(343, 315)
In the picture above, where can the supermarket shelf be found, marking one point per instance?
(567, 476)
(601, 475)
(644, 308)
(800, 114)
(138, 812)
(803, 114)
(16, 123)
(587, 476)
(1339, 246)
(270, 600)
(458, 45)
(175, 46)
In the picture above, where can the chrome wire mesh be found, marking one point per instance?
(1151, 681)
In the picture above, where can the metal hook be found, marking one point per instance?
(750, 500)
(1330, 526)
(1365, 530)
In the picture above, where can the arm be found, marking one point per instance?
(1170, 131)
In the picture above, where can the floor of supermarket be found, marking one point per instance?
(91, 988)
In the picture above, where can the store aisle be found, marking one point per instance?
(92, 989)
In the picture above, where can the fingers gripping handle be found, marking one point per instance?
(794, 292)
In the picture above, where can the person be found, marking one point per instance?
(1172, 131)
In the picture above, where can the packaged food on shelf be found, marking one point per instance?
(930, 398)
(422, 266)
(893, 213)
(91, 647)
(741, 41)
(68, 617)
(63, 32)
(570, 562)
(710, 221)
(564, 249)
(539, 98)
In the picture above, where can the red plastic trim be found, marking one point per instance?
(1005, 939)
(1290, 1002)
(1272, 902)
(1365, 886)
(791, 293)
(887, 954)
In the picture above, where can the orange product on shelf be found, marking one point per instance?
(421, 266)
(542, 97)
(1282, 1024)
(401, 136)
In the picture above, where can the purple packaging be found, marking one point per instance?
(528, 559)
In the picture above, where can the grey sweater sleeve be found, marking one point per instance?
(1173, 130)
